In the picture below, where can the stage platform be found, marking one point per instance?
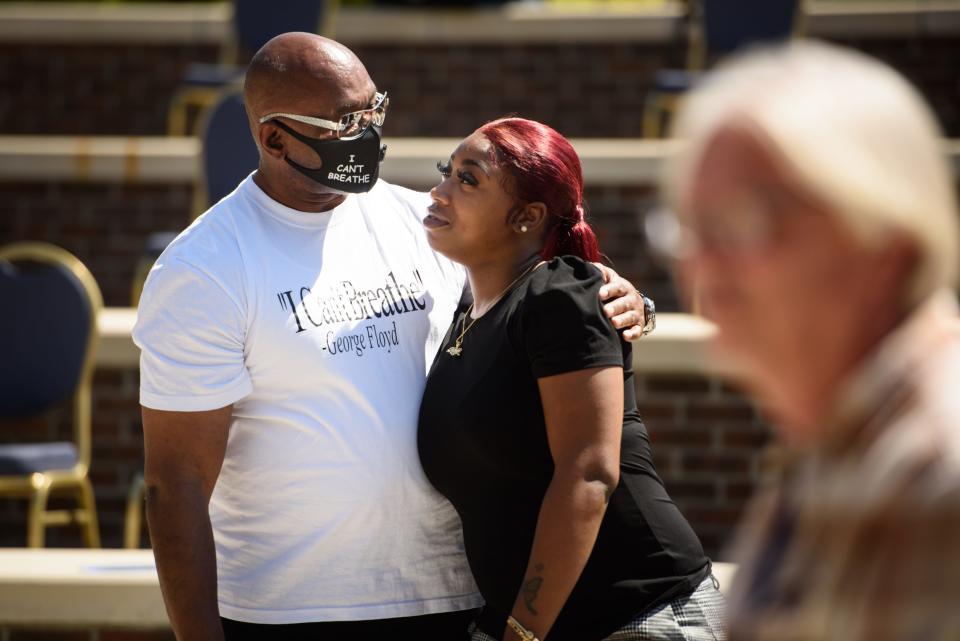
(83, 589)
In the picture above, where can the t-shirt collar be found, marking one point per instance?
(291, 216)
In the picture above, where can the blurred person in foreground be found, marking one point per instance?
(529, 421)
(818, 224)
(285, 338)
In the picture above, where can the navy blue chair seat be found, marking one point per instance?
(28, 458)
(675, 80)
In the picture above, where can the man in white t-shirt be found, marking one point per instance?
(285, 338)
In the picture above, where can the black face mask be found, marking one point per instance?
(348, 166)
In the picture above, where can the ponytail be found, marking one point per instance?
(572, 236)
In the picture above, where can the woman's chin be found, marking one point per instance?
(434, 236)
(440, 241)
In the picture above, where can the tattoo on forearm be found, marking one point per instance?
(531, 588)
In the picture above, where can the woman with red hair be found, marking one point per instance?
(528, 423)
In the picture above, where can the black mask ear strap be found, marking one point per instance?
(306, 171)
(293, 132)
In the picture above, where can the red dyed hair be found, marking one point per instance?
(546, 169)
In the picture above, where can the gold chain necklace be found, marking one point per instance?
(457, 348)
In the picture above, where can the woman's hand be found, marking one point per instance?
(624, 305)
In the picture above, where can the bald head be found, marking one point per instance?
(306, 74)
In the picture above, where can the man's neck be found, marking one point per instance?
(808, 397)
(290, 197)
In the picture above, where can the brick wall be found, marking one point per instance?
(107, 225)
(707, 442)
(707, 438)
(582, 90)
(589, 89)
(91, 89)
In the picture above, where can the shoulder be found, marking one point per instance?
(564, 286)
(202, 266)
(209, 246)
(561, 321)
(566, 275)
(926, 436)
(395, 207)
(402, 197)
(402, 193)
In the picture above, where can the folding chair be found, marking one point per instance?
(254, 23)
(49, 337)
(228, 153)
(717, 28)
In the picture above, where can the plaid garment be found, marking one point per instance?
(698, 616)
(860, 538)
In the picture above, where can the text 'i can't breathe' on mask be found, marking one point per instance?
(349, 166)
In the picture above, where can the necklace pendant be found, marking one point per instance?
(455, 351)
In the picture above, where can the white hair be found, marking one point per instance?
(853, 131)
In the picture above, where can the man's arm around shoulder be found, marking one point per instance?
(183, 455)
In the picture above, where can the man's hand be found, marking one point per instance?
(183, 455)
(623, 304)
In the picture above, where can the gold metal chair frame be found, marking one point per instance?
(133, 519)
(40, 486)
(661, 106)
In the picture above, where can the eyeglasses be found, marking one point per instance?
(351, 125)
(752, 224)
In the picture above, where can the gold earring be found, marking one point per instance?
(523, 228)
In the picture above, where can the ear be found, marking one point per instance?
(271, 142)
(894, 264)
(532, 216)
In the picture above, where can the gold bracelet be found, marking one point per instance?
(521, 631)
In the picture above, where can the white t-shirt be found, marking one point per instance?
(320, 329)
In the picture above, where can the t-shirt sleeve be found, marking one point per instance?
(564, 327)
(190, 330)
